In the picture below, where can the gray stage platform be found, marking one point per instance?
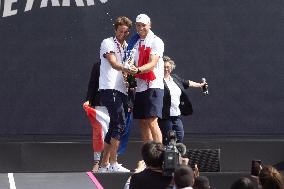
(48, 181)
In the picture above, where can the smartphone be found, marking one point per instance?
(255, 167)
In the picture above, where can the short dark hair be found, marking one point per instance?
(122, 21)
(242, 183)
(201, 182)
(153, 153)
(184, 177)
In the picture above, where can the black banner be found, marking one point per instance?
(48, 47)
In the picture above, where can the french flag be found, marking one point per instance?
(99, 120)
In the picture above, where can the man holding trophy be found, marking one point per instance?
(113, 92)
(146, 50)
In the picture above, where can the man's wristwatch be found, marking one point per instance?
(138, 71)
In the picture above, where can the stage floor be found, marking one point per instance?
(46, 181)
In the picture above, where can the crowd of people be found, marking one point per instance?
(268, 177)
(150, 174)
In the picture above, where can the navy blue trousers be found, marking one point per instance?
(173, 123)
(114, 102)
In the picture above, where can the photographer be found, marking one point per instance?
(175, 101)
(161, 162)
(152, 175)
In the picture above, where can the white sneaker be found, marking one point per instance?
(104, 169)
(118, 168)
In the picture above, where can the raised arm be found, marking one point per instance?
(196, 84)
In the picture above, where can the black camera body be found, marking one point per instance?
(171, 156)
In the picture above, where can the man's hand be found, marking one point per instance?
(184, 161)
(140, 166)
(87, 103)
(133, 70)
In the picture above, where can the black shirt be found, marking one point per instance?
(149, 179)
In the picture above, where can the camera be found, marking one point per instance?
(172, 155)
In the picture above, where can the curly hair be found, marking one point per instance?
(122, 21)
(169, 60)
(271, 178)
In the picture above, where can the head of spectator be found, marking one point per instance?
(143, 25)
(183, 177)
(169, 66)
(242, 183)
(122, 25)
(153, 154)
(271, 178)
(201, 182)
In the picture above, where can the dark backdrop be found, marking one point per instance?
(46, 56)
